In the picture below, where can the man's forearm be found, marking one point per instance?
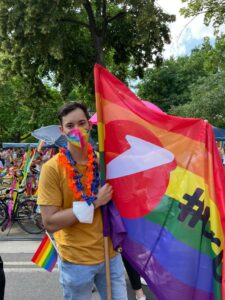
(59, 219)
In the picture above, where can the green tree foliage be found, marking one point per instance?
(215, 57)
(62, 39)
(170, 84)
(214, 11)
(19, 116)
(207, 101)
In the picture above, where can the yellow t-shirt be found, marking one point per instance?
(79, 243)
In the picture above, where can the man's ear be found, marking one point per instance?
(61, 129)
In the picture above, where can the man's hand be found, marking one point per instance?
(104, 195)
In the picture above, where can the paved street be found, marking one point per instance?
(26, 281)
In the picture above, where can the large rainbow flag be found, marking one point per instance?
(46, 254)
(169, 190)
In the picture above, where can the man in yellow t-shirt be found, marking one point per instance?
(70, 203)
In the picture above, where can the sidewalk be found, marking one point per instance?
(15, 233)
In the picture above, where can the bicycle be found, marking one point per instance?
(24, 211)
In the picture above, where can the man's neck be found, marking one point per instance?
(78, 154)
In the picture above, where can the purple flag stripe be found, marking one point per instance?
(162, 283)
(52, 261)
(181, 261)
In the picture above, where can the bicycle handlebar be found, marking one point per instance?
(7, 191)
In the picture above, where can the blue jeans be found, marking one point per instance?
(77, 280)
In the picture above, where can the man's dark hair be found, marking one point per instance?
(71, 106)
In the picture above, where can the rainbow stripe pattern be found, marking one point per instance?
(46, 254)
(78, 137)
(27, 163)
(3, 172)
(40, 145)
(174, 212)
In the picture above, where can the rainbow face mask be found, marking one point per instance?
(78, 137)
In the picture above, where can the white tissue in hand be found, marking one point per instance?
(83, 211)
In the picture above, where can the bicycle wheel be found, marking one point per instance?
(28, 218)
(3, 213)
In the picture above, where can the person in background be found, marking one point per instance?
(2, 280)
(14, 155)
(135, 280)
(220, 150)
(223, 155)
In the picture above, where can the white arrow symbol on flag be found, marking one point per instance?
(141, 156)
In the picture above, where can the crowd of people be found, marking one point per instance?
(24, 165)
(15, 157)
(11, 157)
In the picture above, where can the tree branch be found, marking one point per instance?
(119, 15)
(91, 18)
(104, 27)
(68, 20)
(98, 8)
(96, 33)
(4, 128)
(104, 9)
(24, 137)
(186, 25)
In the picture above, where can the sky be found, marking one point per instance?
(186, 33)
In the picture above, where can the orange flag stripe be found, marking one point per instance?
(42, 252)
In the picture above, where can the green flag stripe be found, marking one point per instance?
(164, 214)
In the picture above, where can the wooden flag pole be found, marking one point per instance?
(107, 268)
(102, 177)
(53, 243)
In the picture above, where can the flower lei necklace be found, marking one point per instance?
(91, 176)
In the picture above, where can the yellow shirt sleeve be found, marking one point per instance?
(49, 192)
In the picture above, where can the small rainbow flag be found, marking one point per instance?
(46, 254)
(40, 145)
(3, 172)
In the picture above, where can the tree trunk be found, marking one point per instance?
(98, 42)
(96, 33)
